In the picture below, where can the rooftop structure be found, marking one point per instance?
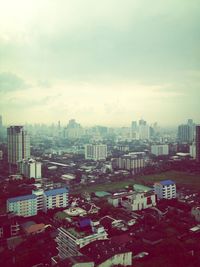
(70, 240)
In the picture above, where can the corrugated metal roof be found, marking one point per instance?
(56, 191)
(21, 198)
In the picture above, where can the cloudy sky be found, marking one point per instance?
(99, 61)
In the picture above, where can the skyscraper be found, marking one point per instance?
(18, 146)
(186, 132)
(198, 143)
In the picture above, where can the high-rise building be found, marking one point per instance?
(186, 132)
(18, 145)
(30, 168)
(1, 123)
(73, 130)
(198, 143)
(134, 130)
(95, 152)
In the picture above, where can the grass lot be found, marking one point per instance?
(181, 179)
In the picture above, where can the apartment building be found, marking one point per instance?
(165, 189)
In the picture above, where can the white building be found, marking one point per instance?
(18, 145)
(71, 240)
(159, 150)
(193, 151)
(55, 198)
(25, 206)
(29, 205)
(139, 201)
(165, 189)
(132, 161)
(96, 152)
(39, 193)
(30, 168)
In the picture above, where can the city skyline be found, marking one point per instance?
(102, 63)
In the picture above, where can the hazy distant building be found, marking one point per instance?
(134, 162)
(198, 143)
(193, 150)
(1, 122)
(18, 145)
(95, 151)
(160, 150)
(143, 130)
(1, 154)
(186, 132)
(30, 168)
(73, 130)
(134, 130)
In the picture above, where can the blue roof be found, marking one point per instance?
(84, 222)
(167, 182)
(21, 198)
(55, 192)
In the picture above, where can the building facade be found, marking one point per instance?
(160, 150)
(96, 151)
(29, 205)
(30, 168)
(18, 145)
(165, 189)
(139, 201)
(198, 143)
(25, 206)
(71, 240)
(133, 162)
(55, 198)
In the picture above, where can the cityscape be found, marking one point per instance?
(99, 133)
(99, 196)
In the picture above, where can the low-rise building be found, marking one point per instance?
(165, 189)
(139, 201)
(195, 212)
(25, 206)
(9, 226)
(160, 150)
(71, 240)
(55, 198)
(29, 205)
(106, 253)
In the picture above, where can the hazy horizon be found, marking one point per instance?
(100, 62)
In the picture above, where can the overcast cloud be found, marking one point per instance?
(100, 62)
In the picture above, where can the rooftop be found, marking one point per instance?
(167, 182)
(57, 191)
(21, 198)
(101, 250)
(77, 233)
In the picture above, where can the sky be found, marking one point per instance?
(105, 62)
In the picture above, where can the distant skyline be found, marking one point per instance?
(102, 62)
